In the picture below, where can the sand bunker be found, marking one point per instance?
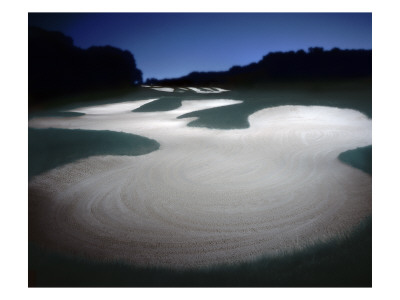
(163, 89)
(204, 90)
(207, 196)
(214, 90)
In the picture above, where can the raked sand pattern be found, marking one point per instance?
(206, 196)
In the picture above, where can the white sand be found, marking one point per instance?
(207, 90)
(163, 89)
(204, 90)
(207, 196)
(220, 90)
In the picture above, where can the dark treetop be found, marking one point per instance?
(56, 67)
(314, 64)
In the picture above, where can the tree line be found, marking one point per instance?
(56, 67)
(317, 63)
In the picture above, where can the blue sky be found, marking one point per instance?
(167, 45)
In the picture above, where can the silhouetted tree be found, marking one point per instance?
(56, 67)
(151, 81)
(315, 50)
(316, 63)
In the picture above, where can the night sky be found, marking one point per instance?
(167, 45)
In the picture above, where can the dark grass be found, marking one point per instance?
(360, 158)
(343, 262)
(55, 113)
(50, 148)
(72, 100)
(164, 103)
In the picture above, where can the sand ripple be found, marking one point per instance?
(207, 196)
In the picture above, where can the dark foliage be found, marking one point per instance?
(314, 64)
(56, 67)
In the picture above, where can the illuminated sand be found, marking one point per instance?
(163, 89)
(204, 90)
(214, 90)
(207, 196)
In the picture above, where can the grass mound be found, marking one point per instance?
(162, 104)
(360, 158)
(50, 148)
